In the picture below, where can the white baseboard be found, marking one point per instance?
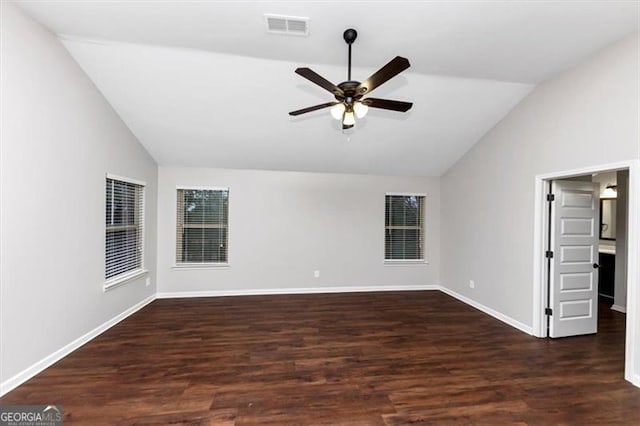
(634, 379)
(619, 308)
(36, 368)
(500, 316)
(300, 290)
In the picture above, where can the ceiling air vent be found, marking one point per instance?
(291, 25)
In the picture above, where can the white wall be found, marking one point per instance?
(285, 225)
(604, 179)
(583, 117)
(59, 138)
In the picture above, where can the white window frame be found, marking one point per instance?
(185, 266)
(128, 276)
(392, 262)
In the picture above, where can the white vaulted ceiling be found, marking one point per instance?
(204, 84)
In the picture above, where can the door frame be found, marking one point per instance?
(540, 226)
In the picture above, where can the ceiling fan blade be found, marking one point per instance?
(313, 108)
(319, 80)
(384, 74)
(387, 104)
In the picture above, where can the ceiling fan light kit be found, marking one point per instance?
(349, 102)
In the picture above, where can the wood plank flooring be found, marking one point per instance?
(359, 359)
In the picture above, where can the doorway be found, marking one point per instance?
(584, 306)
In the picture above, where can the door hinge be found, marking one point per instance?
(548, 311)
(551, 197)
(548, 254)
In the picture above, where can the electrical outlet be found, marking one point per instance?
(148, 282)
(316, 274)
(472, 284)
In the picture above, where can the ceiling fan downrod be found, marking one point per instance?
(350, 35)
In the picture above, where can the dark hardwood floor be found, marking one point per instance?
(359, 358)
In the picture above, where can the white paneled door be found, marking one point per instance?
(575, 213)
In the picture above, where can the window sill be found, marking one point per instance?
(405, 262)
(118, 280)
(191, 266)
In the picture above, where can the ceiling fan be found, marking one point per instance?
(349, 103)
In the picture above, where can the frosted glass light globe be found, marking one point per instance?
(360, 109)
(349, 119)
(337, 111)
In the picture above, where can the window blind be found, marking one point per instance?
(202, 226)
(124, 227)
(404, 227)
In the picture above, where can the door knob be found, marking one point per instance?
(596, 266)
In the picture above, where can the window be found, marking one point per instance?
(404, 227)
(124, 230)
(202, 230)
